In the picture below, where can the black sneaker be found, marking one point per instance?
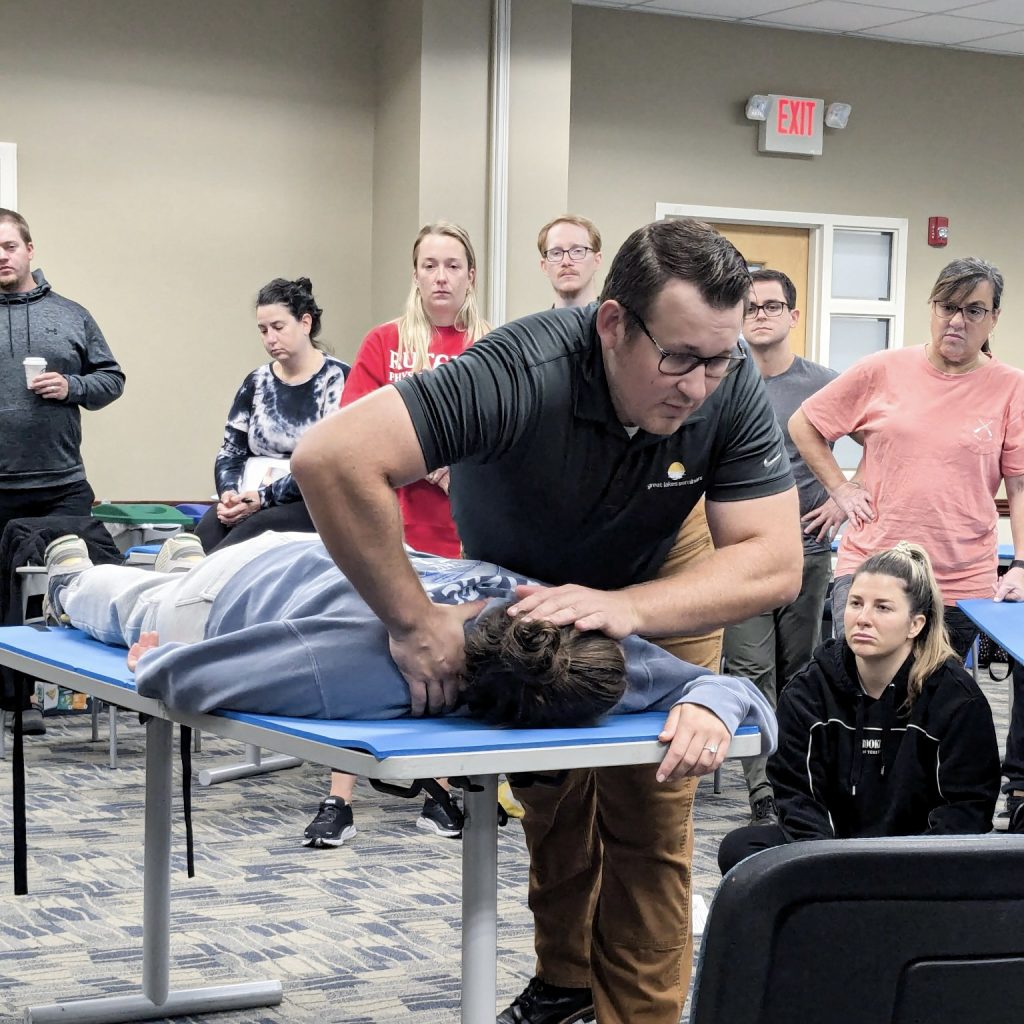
(1003, 820)
(332, 824)
(1016, 823)
(435, 818)
(541, 1003)
(32, 723)
(764, 812)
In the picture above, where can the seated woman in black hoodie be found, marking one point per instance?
(884, 733)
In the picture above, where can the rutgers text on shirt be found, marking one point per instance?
(795, 124)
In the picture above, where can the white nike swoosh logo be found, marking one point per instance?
(771, 462)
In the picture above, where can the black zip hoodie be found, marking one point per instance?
(850, 766)
(40, 439)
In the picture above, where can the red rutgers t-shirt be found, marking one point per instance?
(426, 512)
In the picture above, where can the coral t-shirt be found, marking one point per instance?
(936, 447)
(426, 513)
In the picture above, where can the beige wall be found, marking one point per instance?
(398, 26)
(657, 116)
(540, 82)
(430, 145)
(172, 158)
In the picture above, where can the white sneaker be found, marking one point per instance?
(179, 554)
(64, 553)
(64, 557)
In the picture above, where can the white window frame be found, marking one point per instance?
(819, 306)
(9, 175)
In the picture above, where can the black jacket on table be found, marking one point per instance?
(850, 766)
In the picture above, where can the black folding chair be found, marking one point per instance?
(868, 931)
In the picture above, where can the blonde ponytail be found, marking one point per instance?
(910, 564)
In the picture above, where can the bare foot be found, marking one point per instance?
(146, 642)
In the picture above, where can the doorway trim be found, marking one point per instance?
(819, 305)
(9, 175)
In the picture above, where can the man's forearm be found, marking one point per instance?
(356, 513)
(729, 585)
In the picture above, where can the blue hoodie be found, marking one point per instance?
(40, 439)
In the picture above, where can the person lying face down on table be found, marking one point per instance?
(271, 626)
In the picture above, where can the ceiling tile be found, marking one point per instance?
(940, 28)
(1012, 42)
(969, 24)
(834, 16)
(1010, 11)
(925, 6)
(726, 9)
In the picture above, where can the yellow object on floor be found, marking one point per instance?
(512, 807)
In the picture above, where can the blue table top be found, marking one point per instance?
(71, 650)
(1002, 620)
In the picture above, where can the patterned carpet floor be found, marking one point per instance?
(365, 934)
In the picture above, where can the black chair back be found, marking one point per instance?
(868, 931)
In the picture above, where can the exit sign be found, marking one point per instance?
(795, 124)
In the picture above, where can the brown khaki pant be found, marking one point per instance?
(610, 853)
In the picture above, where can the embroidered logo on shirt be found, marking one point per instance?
(676, 471)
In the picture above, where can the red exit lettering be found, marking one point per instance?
(795, 117)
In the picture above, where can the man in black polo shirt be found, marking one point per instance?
(579, 441)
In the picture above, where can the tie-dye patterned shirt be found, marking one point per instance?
(268, 417)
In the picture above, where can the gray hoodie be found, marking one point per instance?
(40, 439)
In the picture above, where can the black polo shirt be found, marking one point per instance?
(546, 480)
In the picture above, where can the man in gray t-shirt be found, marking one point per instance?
(772, 647)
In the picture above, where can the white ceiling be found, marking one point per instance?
(992, 26)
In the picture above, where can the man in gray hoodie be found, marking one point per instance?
(41, 470)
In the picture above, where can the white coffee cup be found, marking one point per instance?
(34, 365)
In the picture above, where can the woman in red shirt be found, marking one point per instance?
(441, 320)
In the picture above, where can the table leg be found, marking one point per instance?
(480, 902)
(156, 1001)
(255, 763)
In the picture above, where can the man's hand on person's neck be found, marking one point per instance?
(432, 656)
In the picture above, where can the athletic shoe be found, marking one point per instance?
(764, 812)
(332, 825)
(179, 553)
(1002, 821)
(67, 553)
(32, 723)
(1016, 824)
(509, 804)
(64, 557)
(436, 818)
(541, 1003)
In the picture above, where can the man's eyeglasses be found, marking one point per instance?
(679, 364)
(770, 308)
(973, 313)
(577, 253)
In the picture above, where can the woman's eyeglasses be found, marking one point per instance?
(973, 313)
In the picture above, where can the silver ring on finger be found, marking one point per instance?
(711, 748)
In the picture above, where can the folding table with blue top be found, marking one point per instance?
(403, 748)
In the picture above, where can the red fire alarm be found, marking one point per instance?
(938, 231)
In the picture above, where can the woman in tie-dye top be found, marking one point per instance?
(276, 404)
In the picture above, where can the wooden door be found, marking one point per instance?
(785, 249)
